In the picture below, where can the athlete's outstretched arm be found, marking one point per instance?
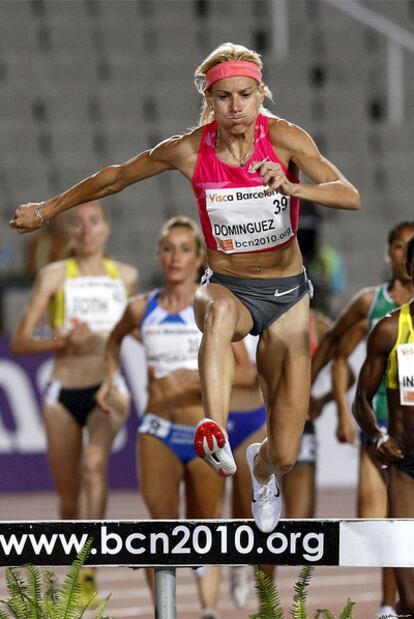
(171, 154)
(24, 340)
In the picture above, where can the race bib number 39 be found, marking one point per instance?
(245, 219)
(405, 355)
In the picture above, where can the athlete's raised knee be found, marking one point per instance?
(219, 312)
(281, 462)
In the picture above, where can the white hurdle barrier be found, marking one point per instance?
(168, 544)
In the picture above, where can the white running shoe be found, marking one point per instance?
(211, 444)
(240, 584)
(266, 498)
(386, 611)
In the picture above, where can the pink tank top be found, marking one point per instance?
(238, 214)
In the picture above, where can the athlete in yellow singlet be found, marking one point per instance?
(84, 296)
(391, 353)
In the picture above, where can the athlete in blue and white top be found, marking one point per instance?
(163, 320)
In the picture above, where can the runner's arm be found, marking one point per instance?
(23, 341)
(173, 153)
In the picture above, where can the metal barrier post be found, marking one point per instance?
(165, 593)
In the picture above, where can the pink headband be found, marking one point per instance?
(232, 68)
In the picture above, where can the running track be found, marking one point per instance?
(330, 586)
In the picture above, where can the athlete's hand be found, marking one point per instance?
(273, 177)
(388, 452)
(103, 394)
(345, 431)
(80, 334)
(60, 344)
(24, 218)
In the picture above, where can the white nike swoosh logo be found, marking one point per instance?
(281, 294)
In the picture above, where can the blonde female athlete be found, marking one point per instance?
(164, 321)
(85, 296)
(244, 168)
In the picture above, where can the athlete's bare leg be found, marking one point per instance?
(283, 363)
(222, 318)
(299, 491)
(242, 487)
(203, 497)
(64, 439)
(204, 492)
(372, 489)
(156, 461)
(401, 501)
(299, 496)
(373, 503)
(102, 430)
(241, 497)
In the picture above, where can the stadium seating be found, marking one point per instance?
(88, 83)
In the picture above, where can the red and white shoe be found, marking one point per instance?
(211, 444)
